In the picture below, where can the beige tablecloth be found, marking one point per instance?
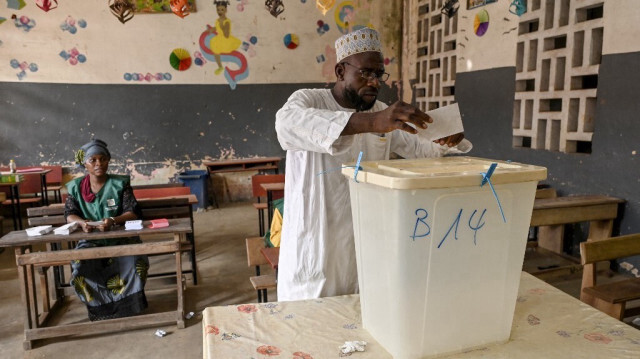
(547, 324)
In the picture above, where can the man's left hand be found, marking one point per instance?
(450, 141)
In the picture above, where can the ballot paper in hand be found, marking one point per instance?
(133, 225)
(66, 229)
(38, 231)
(446, 122)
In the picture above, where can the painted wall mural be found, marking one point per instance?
(230, 42)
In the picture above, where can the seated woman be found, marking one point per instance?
(110, 287)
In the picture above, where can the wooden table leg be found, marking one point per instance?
(269, 210)
(179, 238)
(24, 285)
(44, 288)
(14, 215)
(598, 230)
(33, 299)
(43, 188)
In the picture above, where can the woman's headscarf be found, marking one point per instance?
(95, 147)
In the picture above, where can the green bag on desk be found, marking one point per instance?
(272, 237)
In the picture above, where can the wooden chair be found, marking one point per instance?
(54, 182)
(259, 193)
(610, 298)
(255, 259)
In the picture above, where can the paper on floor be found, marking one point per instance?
(447, 121)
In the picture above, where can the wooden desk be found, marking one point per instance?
(191, 197)
(270, 188)
(600, 211)
(43, 182)
(35, 323)
(547, 324)
(272, 255)
(14, 194)
(260, 164)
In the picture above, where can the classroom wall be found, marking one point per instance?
(486, 98)
(120, 85)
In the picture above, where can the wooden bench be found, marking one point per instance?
(156, 208)
(600, 211)
(178, 207)
(255, 259)
(29, 257)
(151, 209)
(610, 298)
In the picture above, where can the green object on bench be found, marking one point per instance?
(277, 205)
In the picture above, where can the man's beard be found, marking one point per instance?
(357, 101)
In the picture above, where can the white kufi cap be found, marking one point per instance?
(362, 40)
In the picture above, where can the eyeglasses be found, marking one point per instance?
(371, 75)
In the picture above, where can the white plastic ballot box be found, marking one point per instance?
(438, 266)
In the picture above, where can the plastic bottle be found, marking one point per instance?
(12, 166)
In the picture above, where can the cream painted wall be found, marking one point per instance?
(496, 48)
(622, 26)
(143, 44)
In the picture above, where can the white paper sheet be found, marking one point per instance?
(446, 122)
(66, 229)
(38, 231)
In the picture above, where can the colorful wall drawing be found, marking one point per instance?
(235, 57)
(240, 41)
(70, 25)
(322, 27)
(180, 59)
(23, 22)
(16, 4)
(223, 42)
(23, 67)
(158, 6)
(291, 41)
(481, 23)
(73, 56)
(349, 17)
(325, 5)
(476, 3)
(148, 77)
(46, 5)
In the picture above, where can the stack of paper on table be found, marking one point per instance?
(66, 229)
(159, 223)
(133, 225)
(38, 231)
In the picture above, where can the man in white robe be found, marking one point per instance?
(321, 129)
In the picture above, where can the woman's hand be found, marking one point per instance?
(106, 225)
(84, 225)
